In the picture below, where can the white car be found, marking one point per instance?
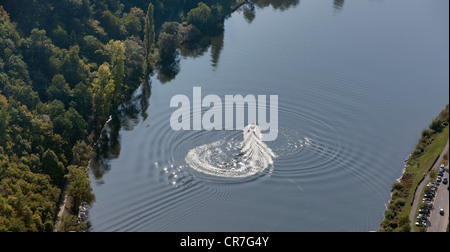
(420, 224)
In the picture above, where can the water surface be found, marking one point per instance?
(357, 81)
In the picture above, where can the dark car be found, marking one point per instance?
(422, 217)
(445, 180)
(424, 211)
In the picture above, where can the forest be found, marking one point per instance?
(64, 66)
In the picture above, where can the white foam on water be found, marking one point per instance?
(231, 159)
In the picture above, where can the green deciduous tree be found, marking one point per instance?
(116, 52)
(52, 167)
(4, 118)
(82, 153)
(20, 91)
(82, 100)
(103, 94)
(135, 63)
(78, 129)
(61, 37)
(200, 16)
(94, 49)
(113, 25)
(79, 187)
(73, 67)
(167, 47)
(59, 89)
(55, 108)
(132, 24)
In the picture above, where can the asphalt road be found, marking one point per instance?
(438, 222)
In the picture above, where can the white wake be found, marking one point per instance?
(231, 159)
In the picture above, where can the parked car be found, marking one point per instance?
(428, 204)
(441, 212)
(431, 184)
(424, 211)
(445, 180)
(421, 224)
(439, 179)
(422, 217)
(428, 201)
(442, 166)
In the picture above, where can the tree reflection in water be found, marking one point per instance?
(133, 111)
(338, 4)
(129, 114)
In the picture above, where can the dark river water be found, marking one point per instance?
(357, 81)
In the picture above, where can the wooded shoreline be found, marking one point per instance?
(65, 66)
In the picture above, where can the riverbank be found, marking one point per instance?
(420, 163)
(429, 176)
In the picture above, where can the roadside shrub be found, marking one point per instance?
(426, 133)
(406, 228)
(404, 220)
(437, 124)
(397, 186)
(389, 213)
(400, 202)
(396, 194)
